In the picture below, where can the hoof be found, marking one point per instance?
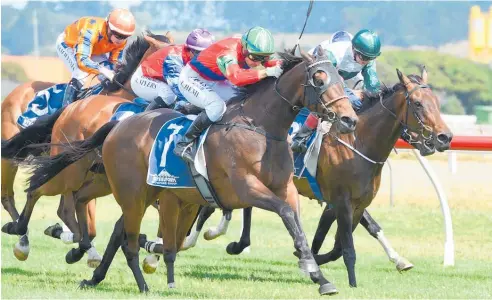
(211, 234)
(54, 230)
(150, 263)
(10, 228)
(189, 243)
(297, 254)
(74, 255)
(328, 289)
(171, 285)
(235, 248)
(84, 284)
(403, 265)
(308, 266)
(93, 262)
(21, 250)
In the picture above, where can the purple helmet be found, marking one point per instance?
(199, 39)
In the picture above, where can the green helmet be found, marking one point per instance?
(258, 40)
(367, 43)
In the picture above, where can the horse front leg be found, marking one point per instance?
(402, 264)
(326, 220)
(203, 216)
(252, 191)
(221, 229)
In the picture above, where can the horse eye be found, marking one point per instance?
(418, 104)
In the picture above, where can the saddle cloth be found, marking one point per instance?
(48, 101)
(165, 168)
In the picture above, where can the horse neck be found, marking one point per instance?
(378, 130)
(266, 109)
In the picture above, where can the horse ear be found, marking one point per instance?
(403, 78)
(154, 43)
(306, 56)
(170, 37)
(424, 74)
(319, 51)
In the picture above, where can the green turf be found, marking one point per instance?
(269, 270)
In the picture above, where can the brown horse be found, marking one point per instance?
(249, 159)
(77, 121)
(349, 178)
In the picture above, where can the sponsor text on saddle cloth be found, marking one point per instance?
(306, 164)
(48, 101)
(165, 168)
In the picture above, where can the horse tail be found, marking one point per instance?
(45, 168)
(39, 132)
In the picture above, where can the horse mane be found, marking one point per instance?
(371, 98)
(289, 61)
(134, 53)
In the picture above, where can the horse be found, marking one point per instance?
(78, 120)
(349, 168)
(251, 167)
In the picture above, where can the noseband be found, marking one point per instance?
(333, 78)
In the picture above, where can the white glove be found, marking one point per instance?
(106, 73)
(274, 71)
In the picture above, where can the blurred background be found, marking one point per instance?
(453, 39)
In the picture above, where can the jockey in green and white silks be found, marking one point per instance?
(353, 59)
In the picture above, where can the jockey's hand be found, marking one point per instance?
(358, 93)
(106, 73)
(274, 71)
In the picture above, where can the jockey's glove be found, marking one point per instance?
(106, 73)
(274, 71)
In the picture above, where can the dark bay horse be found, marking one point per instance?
(349, 181)
(248, 166)
(77, 121)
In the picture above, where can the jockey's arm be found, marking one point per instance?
(238, 76)
(116, 55)
(172, 67)
(371, 81)
(85, 43)
(272, 63)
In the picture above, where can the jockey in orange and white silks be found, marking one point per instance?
(211, 78)
(92, 45)
(157, 78)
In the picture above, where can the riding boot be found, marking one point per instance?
(300, 139)
(156, 104)
(183, 146)
(71, 91)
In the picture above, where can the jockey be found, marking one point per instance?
(211, 78)
(157, 78)
(351, 58)
(90, 41)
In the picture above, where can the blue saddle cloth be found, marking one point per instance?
(126, 110)
(299, 169)
(166, 169)
(47, 102)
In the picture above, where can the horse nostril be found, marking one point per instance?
(350, 122)
(444, 138)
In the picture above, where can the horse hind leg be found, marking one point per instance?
(203, 216)
(115, 241)
(325, 222)
(221, 229)
(402, 264)
(236, 248)
(9, 170)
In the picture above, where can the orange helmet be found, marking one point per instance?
(121, 21)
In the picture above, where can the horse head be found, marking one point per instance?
(423, 126)
(329, 101)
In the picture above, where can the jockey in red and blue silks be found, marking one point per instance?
(211, 78)
(157, 78)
